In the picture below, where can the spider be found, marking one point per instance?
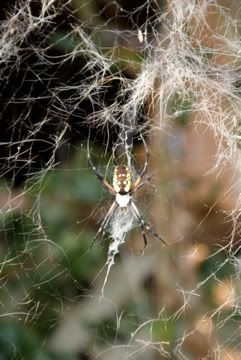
(123, 188)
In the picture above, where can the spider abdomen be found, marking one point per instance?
(123, 200)
(122, 179)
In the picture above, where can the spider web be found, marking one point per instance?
(169, 72)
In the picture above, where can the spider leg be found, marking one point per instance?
(138, 183)
(145, 225)
(147, 157)
(142, 224)
(105, 222)
(105, 184)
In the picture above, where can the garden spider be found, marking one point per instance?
(123, 188)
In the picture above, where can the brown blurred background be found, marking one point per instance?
(175, 302)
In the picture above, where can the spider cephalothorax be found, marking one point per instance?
(123, 188)
(122, 185)
(122, 179)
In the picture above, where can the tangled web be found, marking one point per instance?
(111, 73)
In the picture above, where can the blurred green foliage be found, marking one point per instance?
(47, 264)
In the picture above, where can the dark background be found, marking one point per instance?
(172, 302)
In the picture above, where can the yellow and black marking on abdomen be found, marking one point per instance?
(122, 179)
